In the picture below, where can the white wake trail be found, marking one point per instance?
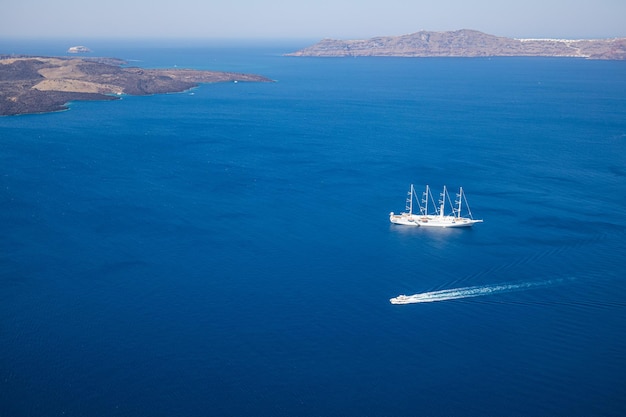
(467, 292)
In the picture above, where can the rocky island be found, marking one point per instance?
(45, 84)
(467, 43)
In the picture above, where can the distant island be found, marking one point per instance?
(34, 84)
(466, 43)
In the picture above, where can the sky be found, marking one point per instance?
(308, 19)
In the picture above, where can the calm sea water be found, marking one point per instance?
(227, 251)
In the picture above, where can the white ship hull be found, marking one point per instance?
(446, 221)
(404, 219)
(401, 299)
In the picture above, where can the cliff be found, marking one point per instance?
(45, 84)
(467, 43)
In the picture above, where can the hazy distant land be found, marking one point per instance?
(467, 43)
(45, 84)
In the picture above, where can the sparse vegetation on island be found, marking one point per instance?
(44, 84)
(467, 43)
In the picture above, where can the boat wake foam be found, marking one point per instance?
(468, 292)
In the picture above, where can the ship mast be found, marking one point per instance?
(458, 212)
(442, 202)
(409, 201)
(424, 210)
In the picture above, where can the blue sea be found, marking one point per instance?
(227, 251)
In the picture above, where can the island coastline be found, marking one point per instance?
(38, 84)
(465, 43)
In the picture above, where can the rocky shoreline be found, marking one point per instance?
(466, 43)
(32, 84)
